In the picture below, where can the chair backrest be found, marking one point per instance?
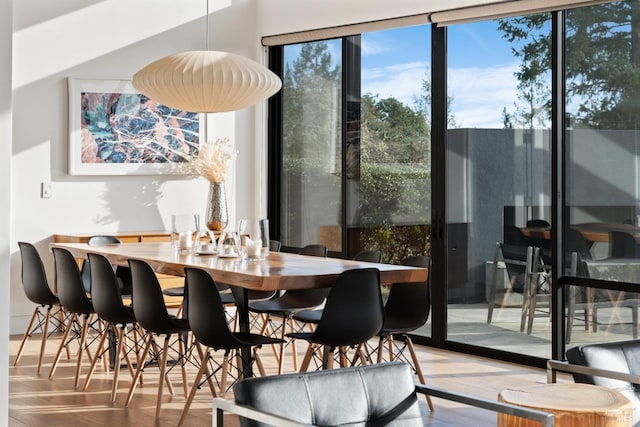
(314, 250)
(576, 242)
(518, 262)
(411, 301)
(623, 245)
(513, 235)
(71, 290)
(105, 293)
(538, 223)
(205, 311)
(147, 300)
(34, 277)
(123, 274)
(353, 312)
(378, 394)
(620, 356)
(368, 256)
(274, 245)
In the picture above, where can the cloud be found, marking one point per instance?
(478, 94)
(401, 81)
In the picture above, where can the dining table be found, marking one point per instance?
(592, 231)
(276, 272)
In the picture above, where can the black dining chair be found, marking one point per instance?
(407, 309)
(123, 274)
(313, 316)
(120, 321)
(75, 302)
(623, 245)
(208, 322)
(284, 307)
(353, 314)
(151, 313)
(48, 311)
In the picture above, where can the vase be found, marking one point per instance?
(217, 217)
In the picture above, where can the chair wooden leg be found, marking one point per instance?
(121, 352)
(282, 345)
(294, 350)
(145, 352)
(63, 344)
(163, 371)
(223, 374)
(183, 366)
(26, 336)
(43, 340)
(256, 357)
(416, 365)
(307, 358)
(103, 337)
(194, 387)
(83, 340)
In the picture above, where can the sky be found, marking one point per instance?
(481, 67)
(480, 76)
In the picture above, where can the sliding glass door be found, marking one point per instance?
(498, 184)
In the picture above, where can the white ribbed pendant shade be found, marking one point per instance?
(206, 81)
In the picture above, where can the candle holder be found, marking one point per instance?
(184, 231)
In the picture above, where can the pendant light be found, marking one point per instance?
(206, 81)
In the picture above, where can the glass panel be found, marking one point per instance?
(600, 315)
(498, 184)
(390, 207)
(312, 148)
(603, 123)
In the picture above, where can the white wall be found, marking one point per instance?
(112, 39)
(6, 16)
(103, 39)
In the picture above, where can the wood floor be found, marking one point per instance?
(39, 401)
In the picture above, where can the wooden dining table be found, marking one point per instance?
(278, 271)
(592, 231)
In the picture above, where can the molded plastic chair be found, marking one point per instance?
(313, 316)
(76, 302)
(275, 245)
(209, 325)
(623, 245)
(352, 314)
(287, 304)
(538, 223)
(107, 302)
(406, 310)
(123, 274)
(151, 313)
(36, 288)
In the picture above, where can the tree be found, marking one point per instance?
(602, 65)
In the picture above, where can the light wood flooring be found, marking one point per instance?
(40, 401)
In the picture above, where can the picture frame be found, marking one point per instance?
(115, 130)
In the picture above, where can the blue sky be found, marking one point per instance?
(480, 63)
(480, 76)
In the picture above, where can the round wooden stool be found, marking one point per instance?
(574, 405)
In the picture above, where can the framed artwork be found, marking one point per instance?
(115, 130)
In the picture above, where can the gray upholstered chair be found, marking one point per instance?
(379, 394)
(612, 364)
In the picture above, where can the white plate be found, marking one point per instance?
(228, 256)
(204, 252)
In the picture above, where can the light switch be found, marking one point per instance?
(45, 190)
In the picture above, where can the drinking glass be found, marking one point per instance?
(184, 231)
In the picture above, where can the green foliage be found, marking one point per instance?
(602, 65)
(397, 242)
(388, 191)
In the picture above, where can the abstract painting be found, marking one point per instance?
(115, 130)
